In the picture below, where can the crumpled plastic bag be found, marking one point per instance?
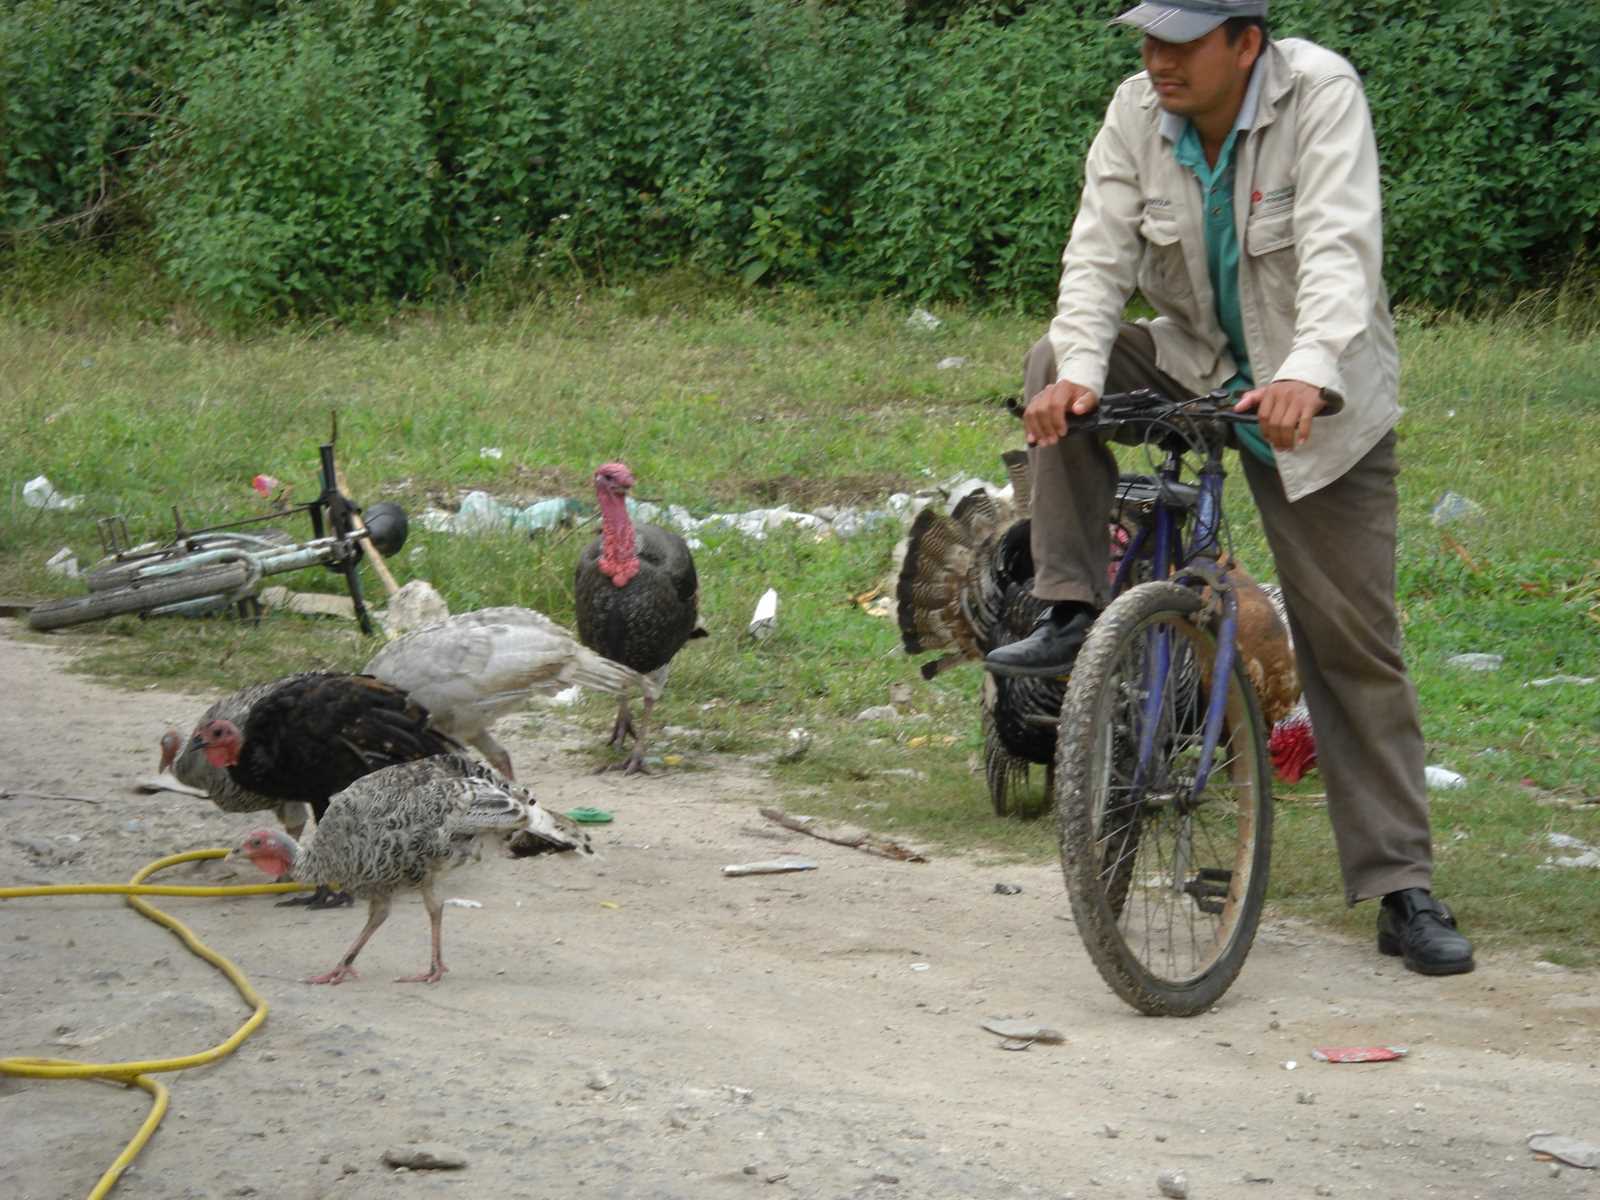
(39, 492)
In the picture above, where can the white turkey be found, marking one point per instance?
(474, 668)
(402, 828)
(187, 763)
(637, 598)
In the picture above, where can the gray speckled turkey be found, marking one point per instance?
(637, 598)
(474, 668)
(188, 765)
(403, 827)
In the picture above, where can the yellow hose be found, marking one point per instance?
(136, 1074)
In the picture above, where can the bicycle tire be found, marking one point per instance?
(140, 596)
(1170, 916)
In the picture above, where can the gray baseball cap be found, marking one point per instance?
(1184, 20)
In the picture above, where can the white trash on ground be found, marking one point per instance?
(766, 615)
(1452, 508)
(39, 492)
(480, 512)
(64, 563)
(1476, 662)
(1556, 680)
(1443, 778)
(1587, 858)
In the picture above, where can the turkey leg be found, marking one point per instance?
(437, 969)
(377, 913)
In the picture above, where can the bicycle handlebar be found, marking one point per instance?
(1145, 406)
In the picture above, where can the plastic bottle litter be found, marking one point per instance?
(1554, 680)
(952, 363)
(1443, 778)
(39, 492)
(1452, 508)
(1476, 662)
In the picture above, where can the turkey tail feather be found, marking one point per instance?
(601, 674)
(549, 833)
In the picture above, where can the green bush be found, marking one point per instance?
(82, 87)
(317, 156)
(298, 175)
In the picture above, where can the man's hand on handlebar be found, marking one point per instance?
(1045, 418)
(1284, 409)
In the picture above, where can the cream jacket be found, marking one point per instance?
(1307, 204)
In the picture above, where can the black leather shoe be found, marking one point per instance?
(1050, 648)
(1422, 931)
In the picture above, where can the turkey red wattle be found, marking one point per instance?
(1293, 748)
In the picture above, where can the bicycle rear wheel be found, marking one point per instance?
(141, 596)
(1166, 886)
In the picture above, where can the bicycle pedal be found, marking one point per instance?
(1209, 888)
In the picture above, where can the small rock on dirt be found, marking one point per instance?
(1174, 1184)
(425, 1156)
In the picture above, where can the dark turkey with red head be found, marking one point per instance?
(313, 735)
(966, 587)
(637, 598)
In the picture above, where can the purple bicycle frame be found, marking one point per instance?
(1158, 663)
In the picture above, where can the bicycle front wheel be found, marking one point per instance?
(1166, 884)
(142, 596)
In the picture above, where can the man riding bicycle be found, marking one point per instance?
(1235, 183)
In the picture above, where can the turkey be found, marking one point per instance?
(474, 668)
(188, 765)
(1292, 745)
(637, 599)
(965, 587)
(308, 737)
(403, 827)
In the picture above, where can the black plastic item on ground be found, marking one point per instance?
(386, 522)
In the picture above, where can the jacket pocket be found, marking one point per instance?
(1266, 235)
(1269, 247)
(1163, 271)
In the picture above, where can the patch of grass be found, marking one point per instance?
(722, 399)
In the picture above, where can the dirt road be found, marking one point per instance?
(644, 1027)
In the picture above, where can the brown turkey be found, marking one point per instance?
(403, 827)
(965, 587)
(637, 599)
(311, 736)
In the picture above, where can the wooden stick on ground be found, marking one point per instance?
(7, 794)
(374, 555)
(844, 835)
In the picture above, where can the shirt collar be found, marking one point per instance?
(1172, 125)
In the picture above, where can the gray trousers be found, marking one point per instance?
(1335, 555)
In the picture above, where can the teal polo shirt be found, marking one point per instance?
(1222, 257)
